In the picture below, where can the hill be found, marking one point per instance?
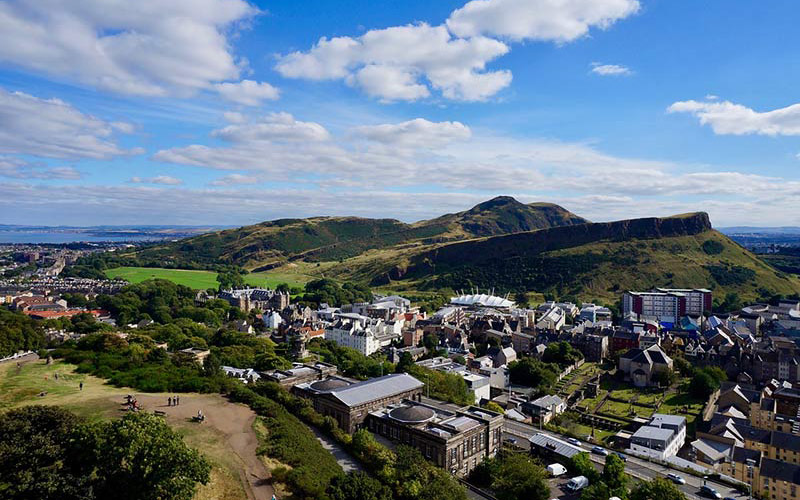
(595, 261)
(318, 239)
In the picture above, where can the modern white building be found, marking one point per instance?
(666, 304)
(662, 437)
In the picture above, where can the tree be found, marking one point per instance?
(521, 298)
(665, 378)
(658, 488)
(519, 477)
(581, 465)
(41, 455)
(142, 458)
(492, 406)
(358, 486)
(705, 381)
(532, 373)
(614, 476)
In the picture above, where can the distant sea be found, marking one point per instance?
(68, 237)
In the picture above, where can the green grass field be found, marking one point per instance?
(201, 280)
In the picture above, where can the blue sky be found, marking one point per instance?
(233, 112)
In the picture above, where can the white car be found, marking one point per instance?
(573, 441)
(676, 478)
(600, 451)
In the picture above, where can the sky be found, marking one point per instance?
(233, 112)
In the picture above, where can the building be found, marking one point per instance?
(482, 300)
(349, 404)
(554, 319)
(662, 437)
(478, 384)
(593, 347)
(667, 305)
(544, 409)
(552, 448)
(248, 299)
(640, 366)
(198, 354)
(301, 373)
(623, 340)
(779, 480)
(454, 440)
(594, 313)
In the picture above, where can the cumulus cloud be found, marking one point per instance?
(142, 47)
(543, 20)
(404, 63)
(54, 129)
(416, 133)
(727, 118)
(159, 179)
(610, 69)
(247, 92)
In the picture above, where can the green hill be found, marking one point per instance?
(319, 239)
(595, 261)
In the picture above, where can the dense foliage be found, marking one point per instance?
(512, 476)
(705, 381)
(658, 488)
(349, 361)
(561, 353)
(358, 486)
(48, 453)
(533, 373)
(290, 441)
(713, 247)
(612, 483)
(332, 293)
(18, 332)
(726, 275)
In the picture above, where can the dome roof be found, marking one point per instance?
(329, 384)
(412, 414)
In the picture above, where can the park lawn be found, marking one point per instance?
(202, 280)
(21, 387)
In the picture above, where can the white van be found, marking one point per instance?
(577, 483)
(556, 470)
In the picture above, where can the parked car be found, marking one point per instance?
(577, 483)
(710, 492)
(600, 450)
(573, 441)
(676, 478)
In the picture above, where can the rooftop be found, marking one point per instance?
(376, 388)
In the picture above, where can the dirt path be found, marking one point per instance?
(234, 421)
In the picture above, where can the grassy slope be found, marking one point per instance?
(205, 279)
(674, 262)
(322, 239)
(99, 401)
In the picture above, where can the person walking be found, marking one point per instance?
(177, 400)
(81, 385)
(169, 401)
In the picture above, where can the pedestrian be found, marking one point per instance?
(81, 385)
(169, 401)
(56, 376)
(177, 400)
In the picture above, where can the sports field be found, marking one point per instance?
(201, 280)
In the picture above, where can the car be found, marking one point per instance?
(600, 450)
(729, 498)
(573, 441)
(676, 478)
(710, 492)
(621, 456)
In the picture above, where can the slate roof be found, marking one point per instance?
(376, 388)
(782, 471)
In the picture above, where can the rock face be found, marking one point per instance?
(557, 238)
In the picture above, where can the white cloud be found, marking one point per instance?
(52, 128)
(405, 63)
(159, 179)
(247, 92)
(18, 168)
(142, 47)
(416, 133)
(273, 127)
(610, 69)
(727, 118)
(543, 20)
(234, 179)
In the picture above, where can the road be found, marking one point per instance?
(636, 467)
